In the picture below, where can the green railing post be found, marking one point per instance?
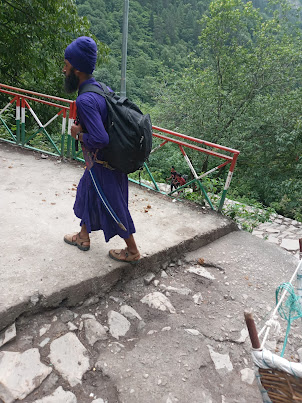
(228, 181)
(62, 144)
(223, 196)
(205, 194)
(73, 150)
(68, 145)
(18, 131)
(201, 188)
(151, 177)
(7, 128)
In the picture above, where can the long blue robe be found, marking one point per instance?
(92, 113)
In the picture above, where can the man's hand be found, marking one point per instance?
(75, 129)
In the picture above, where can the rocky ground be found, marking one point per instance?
(177, 335)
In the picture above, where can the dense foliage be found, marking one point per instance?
(33, 36)
(161, 36)
(244, 91)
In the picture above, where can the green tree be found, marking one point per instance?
(244, 91)
(33, 36)
(161, 34)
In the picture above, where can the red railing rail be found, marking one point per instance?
(67, 109)
(22, 99)
(229, 155)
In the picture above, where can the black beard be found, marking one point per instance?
(71, 82)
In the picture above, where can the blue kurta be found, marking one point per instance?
(92, 113)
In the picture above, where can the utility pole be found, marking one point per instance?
(124, 48)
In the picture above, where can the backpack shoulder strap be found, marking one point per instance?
(116, 99)
(92, 88)
(104, 91)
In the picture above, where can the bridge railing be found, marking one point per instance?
(13, 129)
(20, 110)
(225, 155)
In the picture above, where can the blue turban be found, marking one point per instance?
(82, 54)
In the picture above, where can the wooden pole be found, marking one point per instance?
(250, 324)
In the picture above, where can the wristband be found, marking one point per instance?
(77, 137)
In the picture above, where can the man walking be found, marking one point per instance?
(79, 64)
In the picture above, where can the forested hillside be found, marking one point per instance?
(161, 36)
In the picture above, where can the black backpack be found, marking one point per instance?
(129, 130)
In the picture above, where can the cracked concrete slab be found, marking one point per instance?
(39, 270)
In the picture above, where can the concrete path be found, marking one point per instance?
(39, 270)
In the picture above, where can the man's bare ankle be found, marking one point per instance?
(133, 252)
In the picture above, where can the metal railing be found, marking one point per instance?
(229, 156)
(64, 145)
(22, 99)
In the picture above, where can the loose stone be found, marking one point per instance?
(200, 271)
(152, 332)
(247, 375)
(67, 316)
(194, 332)
(149, 277)
(221, 361)
(94, 331)
(88, 316)
(197, 298)
(129, 312)
(159, 301)
(58, 396)
(20, 374)
(118, 324)
(290, 244)
(34, 299)
(91, 301)
(69, 357)
(71, 326)
(8, 335)
(44, 329)
(243, 335)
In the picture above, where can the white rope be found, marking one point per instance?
(101, 197)
(269, 323)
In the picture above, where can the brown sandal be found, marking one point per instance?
(75, 239)
(122, 255)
